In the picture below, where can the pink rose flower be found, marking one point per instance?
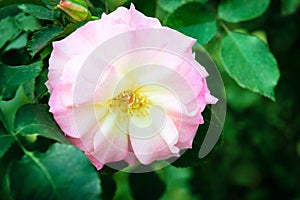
(124, 88)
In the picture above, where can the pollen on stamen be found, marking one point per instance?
(131, 99)
(129, 103)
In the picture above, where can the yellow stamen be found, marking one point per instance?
(130, 103)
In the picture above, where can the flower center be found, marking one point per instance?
(130, 103)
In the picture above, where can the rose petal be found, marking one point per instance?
(74, 121)
(131, 17)
(111, 140)
(156, 142)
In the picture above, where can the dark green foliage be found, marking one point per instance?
(6, 140)
(194, 20)
(108, 186)
(11, 77)
(35, 119)
(146, 186)
(57, 174)
(43, 37)
(11, 29)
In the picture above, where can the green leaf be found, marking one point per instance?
(11, 30)
(165, 7)
(9, 108)
(46, 52)
(4, 185)
(63, 172)
(170, 6)
(39, 12)
(146, 185)
(250, 63)
(29, 89)
(114, 4)
(18, 43)
(4, 3)
(43, 37)
(51, 3)
(203, 32)
(11, 77)
(6, 140)
(70, 28)
(242, 10)
(289, 6)
(5, 143)
(27, 23)
(36, 119)
(146, 7)
(194, 20)
(40, 87)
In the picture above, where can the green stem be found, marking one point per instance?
(106, 8)
(94, 18)
(224, 27)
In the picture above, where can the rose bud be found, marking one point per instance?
(76, 10)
